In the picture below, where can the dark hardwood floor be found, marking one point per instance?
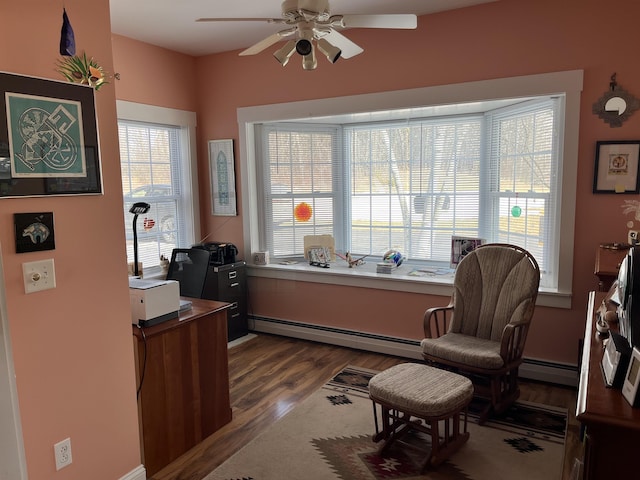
(270, 375)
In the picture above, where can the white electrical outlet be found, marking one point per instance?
(39, 275)
(62, 451)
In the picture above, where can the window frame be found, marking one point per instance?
(186, 121)
(568, 83)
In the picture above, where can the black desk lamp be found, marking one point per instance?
(137, 208)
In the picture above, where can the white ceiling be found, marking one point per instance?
(171, 23)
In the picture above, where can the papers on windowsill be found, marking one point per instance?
(430, 271)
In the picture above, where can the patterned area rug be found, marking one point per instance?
(329, 437)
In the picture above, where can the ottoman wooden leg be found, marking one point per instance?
(395, 424)
(453, 439)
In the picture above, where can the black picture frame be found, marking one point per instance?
(617, 167)
(48, 138)
(34, 232)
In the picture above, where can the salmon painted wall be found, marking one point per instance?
(153, 75)
(72, 346)
(502, 39)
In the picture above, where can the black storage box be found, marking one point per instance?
(219, 253)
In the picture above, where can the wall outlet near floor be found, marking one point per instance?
(62, 451)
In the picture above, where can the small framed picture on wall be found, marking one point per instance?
(34, 232)
(616, 167)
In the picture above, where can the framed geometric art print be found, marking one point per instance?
(48, 138)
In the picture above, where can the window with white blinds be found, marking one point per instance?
(151, 166)
(522, 199)
(414, 184)
(300, 184)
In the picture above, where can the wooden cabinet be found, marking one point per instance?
(608, 262)
(228, 283)
(612, 426)
(183, 378)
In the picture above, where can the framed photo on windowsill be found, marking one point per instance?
(223, 179)
(616, 167)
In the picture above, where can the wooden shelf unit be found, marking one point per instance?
(612, 426)
(607, 266)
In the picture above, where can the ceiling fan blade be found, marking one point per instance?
(349, 49)
(267, 42)
(379, 21)
(268, 20)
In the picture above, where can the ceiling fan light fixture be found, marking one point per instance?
(309, 61)
(284, 54)
(328, 50)
(304, 47)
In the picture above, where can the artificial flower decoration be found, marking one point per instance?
(302, 212)
(80, 69)
(631, 206)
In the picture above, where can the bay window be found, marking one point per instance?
(410, 169)
(413, 185)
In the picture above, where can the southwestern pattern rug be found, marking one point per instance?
(328, 437)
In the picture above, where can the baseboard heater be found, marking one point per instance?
(541, 370)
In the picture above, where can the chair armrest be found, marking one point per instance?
(513, 339)
(436, 321)
(514, 334)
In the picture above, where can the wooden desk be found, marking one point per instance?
(612, 426)
(184, 396)
(607, 265)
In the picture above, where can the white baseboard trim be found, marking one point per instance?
(240, 341)
(138, 473)
(542, 370)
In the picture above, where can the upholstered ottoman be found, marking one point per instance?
(410, 394)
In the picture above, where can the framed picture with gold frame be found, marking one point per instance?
(616, 167)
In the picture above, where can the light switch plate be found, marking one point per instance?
(39, 275)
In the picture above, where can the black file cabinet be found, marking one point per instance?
(228, 283)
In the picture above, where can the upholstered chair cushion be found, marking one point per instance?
(464, 349)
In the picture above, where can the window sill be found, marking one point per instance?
(365, 276)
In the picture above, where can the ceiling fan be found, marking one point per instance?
(310, 21)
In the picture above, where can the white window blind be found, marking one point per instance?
(413, 185)
(300, 183)
(522, 198)
(150, 164)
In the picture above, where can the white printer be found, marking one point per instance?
(153, 301)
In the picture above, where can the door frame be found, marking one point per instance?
(12, 457)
